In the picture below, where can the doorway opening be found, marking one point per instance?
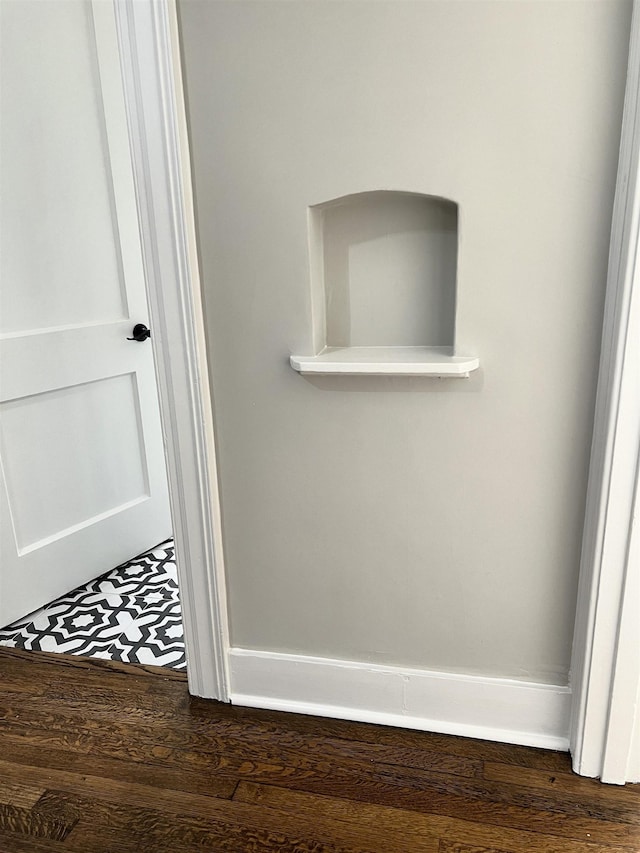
(87, 563)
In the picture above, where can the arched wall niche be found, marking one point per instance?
(389, 264)
(384, 278)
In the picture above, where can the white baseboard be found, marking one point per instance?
(499, 709)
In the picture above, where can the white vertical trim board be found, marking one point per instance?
(148, 38)
(498, 709)
(606, 656)
(620, 761)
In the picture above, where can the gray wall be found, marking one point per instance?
(431, 523)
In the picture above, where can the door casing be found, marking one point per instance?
(605, 671)
(150, 58)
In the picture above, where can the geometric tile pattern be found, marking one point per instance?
(156, 637)
(131, 614)
(153, 575)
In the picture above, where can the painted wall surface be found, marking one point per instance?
(422, 522)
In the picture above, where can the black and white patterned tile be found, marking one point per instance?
(80, 623)
(152, 576)
(131, 614)
(155, 637)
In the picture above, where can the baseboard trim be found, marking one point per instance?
(498, 709)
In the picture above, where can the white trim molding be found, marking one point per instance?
(498, 709)
(606, 657)
(152, 80)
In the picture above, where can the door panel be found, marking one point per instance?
(56, 175)
(35, 436)
(83, 477)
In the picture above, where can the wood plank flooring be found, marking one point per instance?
(101, 757)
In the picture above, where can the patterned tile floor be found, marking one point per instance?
(131, 614)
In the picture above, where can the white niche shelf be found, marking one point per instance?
(383, 287)
(386, 361)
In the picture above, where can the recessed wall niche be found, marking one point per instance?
(389, 270)
(384, 270)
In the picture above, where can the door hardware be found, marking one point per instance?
(140, 333)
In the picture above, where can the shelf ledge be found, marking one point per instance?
(387, 361)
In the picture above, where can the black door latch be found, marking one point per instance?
(140, 333)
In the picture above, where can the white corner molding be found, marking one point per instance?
(152, 81)
(438, 362)
(606, 656)
(498, 709)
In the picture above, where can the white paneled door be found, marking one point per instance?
(83, 474)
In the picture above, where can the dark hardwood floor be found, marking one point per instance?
(97, 757)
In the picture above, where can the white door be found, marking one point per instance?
(83, 474)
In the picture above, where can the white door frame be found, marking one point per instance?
(606, 654)
(148, 37)
(605, 667)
